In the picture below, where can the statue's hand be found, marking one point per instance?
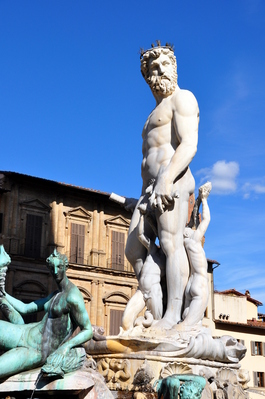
(205, 190)
(162, 194)
(130, 204)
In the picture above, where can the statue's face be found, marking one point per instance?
(56, 267)
(162, 75)
(161, 66)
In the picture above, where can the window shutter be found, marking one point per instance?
(255, 378)
(33, 236)
(241, 341)
(117, 250)
(263, 348)
(1, 223)
(77, 247)
(252, 345)
(115, 321)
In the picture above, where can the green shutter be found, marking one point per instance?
(33, 236)
(77, 246)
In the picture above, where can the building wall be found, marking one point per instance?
(248, 336)
(232, 308)
(241, 312)
(40, 215)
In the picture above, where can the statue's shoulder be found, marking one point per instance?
(74, 296)
(184, 102)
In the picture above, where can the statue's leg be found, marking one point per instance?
(135, 305)
(19, 359)
(135, 251)
(199, 294)
(171, 225)
(155, 302)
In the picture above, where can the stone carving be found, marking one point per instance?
(191, 388)
(225, 375)
(114, 370)
(243, 378)
(175, 368)
(44, 343)
(228, 386)
(143, 375)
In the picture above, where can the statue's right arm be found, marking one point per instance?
(26, 308)
(203, 226)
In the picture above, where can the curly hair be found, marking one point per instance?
(155, 53)
(191, 389)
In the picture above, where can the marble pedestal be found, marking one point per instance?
(130, 367)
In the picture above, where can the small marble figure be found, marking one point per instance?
(153, 271)
(45, 343)
(197, 292)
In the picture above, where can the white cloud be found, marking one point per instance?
(254, 188)
(222, 175)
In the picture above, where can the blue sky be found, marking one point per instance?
(73, 104)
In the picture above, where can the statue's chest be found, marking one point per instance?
(160, 116)
(58, 306)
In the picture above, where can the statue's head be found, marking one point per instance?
(159, 69)
(57, 264)
(190, 390)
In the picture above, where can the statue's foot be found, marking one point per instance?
(163, 324)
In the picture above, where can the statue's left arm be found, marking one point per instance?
(185, 121)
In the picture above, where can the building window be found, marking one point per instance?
(1, 223)
(117, 250)
(77, 245)
(258, 379)
(257, 348)
(33, 236)
(115, 321)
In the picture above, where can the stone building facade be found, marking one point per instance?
(38, 215)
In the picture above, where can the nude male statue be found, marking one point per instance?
(170, 137)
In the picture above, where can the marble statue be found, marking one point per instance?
(163, 246)
(45, 343)
(197, 292)
(170, 137)
(153, 271)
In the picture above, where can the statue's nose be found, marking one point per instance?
(161, 69)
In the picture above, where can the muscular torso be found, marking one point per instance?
(159, 141)
(163, 133)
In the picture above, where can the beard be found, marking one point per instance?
(165, 84)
